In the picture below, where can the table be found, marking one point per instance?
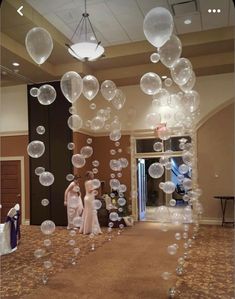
(223, 201)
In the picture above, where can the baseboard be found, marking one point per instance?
(26, 222)
(213, 221)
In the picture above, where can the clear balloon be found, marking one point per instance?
(164, 133)
(115, 135)
(97, 204)
(47, 227)
(172, 249)
(172, 202)
(44, 202)
(89, 141)
(191, 100)
(86, 151)
(39, 44)
(78, 161)
(90, 87)
(115, 165)
(169, 187)
(96, 183)
(154, 57)
(158, 26)
(75, 122)
(156, 170)
(46, 178)
(92, 106)
(39, 170)
(71, 85)
(72, 110)
(34, 92)
(97, 123)
(47, 242)
(69, 177)
(121, 201)
(71, 146)
(158, 146)
(190, 84)
(107, 89)
(112, 152)
(178, 236)
(46, 94)
(39, 253)
(119, 99)
(187, 183)
(183, 168)
(168, 82)
(181, 71)
(163, 97)
(124, 162)
(113, 216)
(150, 83)
(36, 149)
(153, 119)
(170, 51)
(114, 184)
(40, 130)
(95, 163)
(47, 264)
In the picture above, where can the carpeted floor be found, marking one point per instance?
(128, 267)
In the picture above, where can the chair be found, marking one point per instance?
(10, 231)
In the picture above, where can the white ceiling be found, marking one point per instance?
(121, 21)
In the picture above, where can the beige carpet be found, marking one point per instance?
(129, 267)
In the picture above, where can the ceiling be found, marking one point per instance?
(207, 41)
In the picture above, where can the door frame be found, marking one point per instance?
(22, 173)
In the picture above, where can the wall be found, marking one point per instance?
(215, 141)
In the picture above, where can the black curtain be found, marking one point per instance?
(56, 159)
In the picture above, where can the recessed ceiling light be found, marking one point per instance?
(214, 10)
(15, 63)
(219, 10)
(4, 73)
(164, 77)
(187, 21)
(209, 10)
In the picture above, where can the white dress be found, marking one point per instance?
(90, 223)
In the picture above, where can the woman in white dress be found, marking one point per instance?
(90, 223)
(73, 201)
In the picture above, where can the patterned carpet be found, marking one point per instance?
(209, 272)
(21, 271)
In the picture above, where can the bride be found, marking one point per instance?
(90, 223)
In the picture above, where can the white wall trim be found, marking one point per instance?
(22, 170)
(214, 221)
(14, 133)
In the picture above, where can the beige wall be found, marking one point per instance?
(215, 141)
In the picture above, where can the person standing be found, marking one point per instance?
(73, 201)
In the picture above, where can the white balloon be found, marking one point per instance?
(36, 148)
(154, 57)
(107, 89)
(163, 97)
(158, 26)
(86, 151)
(115, 135)
(150, 83)
(39, 44)
(71, 85)
(46, 94)
(191, 100)
(78, 161)
(46, 178)
(153, 119)
(119, 99)
(97, 123)
(156, 170)
(181, 71)
(190, 84)
(90, 87)
(34, 92)
(75, 122)
(170, 51)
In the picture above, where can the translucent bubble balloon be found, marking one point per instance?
(168, 165)
(36, 149)
(46, 94)
(190, 84)
(124, 162)
(47, 227)
(90, 87)
(163, 97)
(170, 51)
(34, 92)
(95, 170)
(158, 26)
(39, 170)
(71, 146)
(153, 119)
(150, 83)
(115, 165)
(112, 152)
(113, 216)
(39, 253)
(47, 242)
(96, 183)
(71, 85)
(97, 204)
(156, 170)
(119, 99)
(69, 177)
(44, 202)
(191, 100)
(92, 106)
(154, 58)
(46, 178)
(158, 146)
(114, 184)
(107, 89)
(40, 130)
(97, 123)
(72, 110)
(39, 44)
(172, 202)
(166, 275)
(187, 158)
(78, 161)
(75, 122)
(115, 125)
(187, 184)
(86, 151)
(169, 187)
(183, 168)
(121, 201)
(47, 264)
(115, 135)
(164, 133)
(179, 116)
(168, 82)
(172, 249)
(181, 71)
(122, 188)
(89, 141)
(95, 163)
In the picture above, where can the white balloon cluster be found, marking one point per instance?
(175, 109)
